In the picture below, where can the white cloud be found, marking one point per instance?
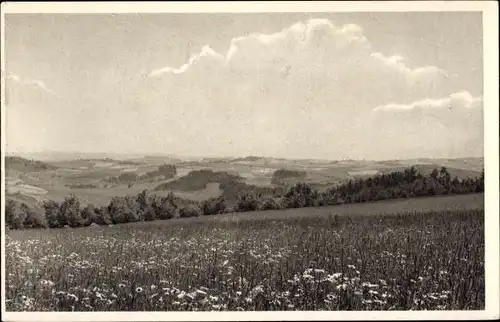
(206, 53)
(32, 83)
(460, 100)
(396, 62)
(451, 126)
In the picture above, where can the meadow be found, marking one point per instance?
(421, 254)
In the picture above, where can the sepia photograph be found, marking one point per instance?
(237, 161)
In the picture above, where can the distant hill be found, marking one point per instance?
(198, 179)
(110, 160)
(14, 163)
(247, 159)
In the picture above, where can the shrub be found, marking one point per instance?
(269, 204)
(190, 211)
(247, 202)
(35, 217)
(213, 206)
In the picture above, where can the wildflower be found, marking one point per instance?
(153, 287)
(46, 283)
(258, 289)
(100, 296)
(369, 285)
(307, 276)
(138, 289)
(351, 266)
(73, 297)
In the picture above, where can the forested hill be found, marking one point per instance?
(147, 207)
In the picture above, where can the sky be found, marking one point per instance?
(295, 85)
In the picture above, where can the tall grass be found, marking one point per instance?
(417, 261)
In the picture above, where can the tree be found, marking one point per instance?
(165, 207)
(123, 210)
(445, 179)
(167, 170)
(128, 178)
(14, 215)
(89, 215)
(301, 195)
(247, 202)
(102, 216)
(35, 217)
(434, 174)
(52, 213)
(143, 205)
(69, 213)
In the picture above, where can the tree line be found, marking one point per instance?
(148, 207)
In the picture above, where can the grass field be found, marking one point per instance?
(399, 255)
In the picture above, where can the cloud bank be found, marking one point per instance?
(311, 90)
